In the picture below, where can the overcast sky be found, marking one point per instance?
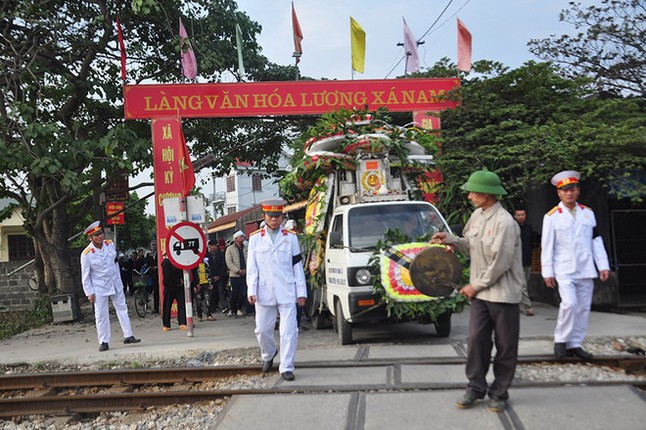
(500, 30)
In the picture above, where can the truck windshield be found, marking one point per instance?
(368, 224)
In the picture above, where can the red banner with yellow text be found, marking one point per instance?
(286, 98)
(168, 150)
(112, 208)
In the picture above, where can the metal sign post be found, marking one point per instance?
(186, 248)
(188, 304)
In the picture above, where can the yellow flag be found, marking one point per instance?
(358, 45)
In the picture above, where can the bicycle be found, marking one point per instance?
(141, 292)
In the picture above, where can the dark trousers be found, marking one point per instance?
(219, 297)
(237, 296)
(128, 286)
(201, 301)
(155, 291)
(170, 294)
(503, 321)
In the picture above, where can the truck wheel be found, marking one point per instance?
(344, 328)
(443, 324)
(317, 318)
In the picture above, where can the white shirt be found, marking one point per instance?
(100, 272)
(272, 275)
(568, 248)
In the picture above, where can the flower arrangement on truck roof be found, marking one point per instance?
(367, 225)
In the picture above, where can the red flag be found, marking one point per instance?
(298, 36)
(464, 47)
(122, 48)
(187, 173)
(189, 62)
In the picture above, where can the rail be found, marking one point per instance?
(119, 390)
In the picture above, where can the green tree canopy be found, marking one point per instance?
(608, 48)
(528, 123)
(61, 118)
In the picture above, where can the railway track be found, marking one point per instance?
(90, 393)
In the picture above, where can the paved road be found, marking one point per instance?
(572, 407)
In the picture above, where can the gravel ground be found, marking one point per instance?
(203, 415)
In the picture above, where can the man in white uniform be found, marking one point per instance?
(101, 280)
(276, 282)
(570, 248)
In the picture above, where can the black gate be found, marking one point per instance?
(629, 249)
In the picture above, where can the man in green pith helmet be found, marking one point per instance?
(492, 240)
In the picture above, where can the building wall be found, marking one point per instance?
(15, 293)
(247, 197)
(12, 225)
(244, 197)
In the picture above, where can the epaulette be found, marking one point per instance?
(290, 231)
(107, 241)
(554, 209)
(582, 206)
(257, 231)
(87, 250)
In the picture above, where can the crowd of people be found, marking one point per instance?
(217, 284)
(266, 280)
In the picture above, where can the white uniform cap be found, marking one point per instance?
(565, 178)
(237, 234)
(92, 228)
(274, 207)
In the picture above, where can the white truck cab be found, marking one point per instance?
(363, 205)
(351, 241)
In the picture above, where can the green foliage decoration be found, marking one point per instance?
(349, 124)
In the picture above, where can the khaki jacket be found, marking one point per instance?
(232, 258)
(492, 240)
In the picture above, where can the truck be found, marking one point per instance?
(365, 187)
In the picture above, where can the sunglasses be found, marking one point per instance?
(98, 233)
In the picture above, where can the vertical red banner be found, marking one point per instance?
(167, 152)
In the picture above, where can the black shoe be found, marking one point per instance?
(131, 339)
(104, 347)
(497, 404)
(466, 401)
(288, 376)
(560, 350)
(581, 353)
(267, 365)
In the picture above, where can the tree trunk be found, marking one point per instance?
(52, 243)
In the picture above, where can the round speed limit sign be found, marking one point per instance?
(186, 245)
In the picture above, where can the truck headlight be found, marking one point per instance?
(363, 276)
